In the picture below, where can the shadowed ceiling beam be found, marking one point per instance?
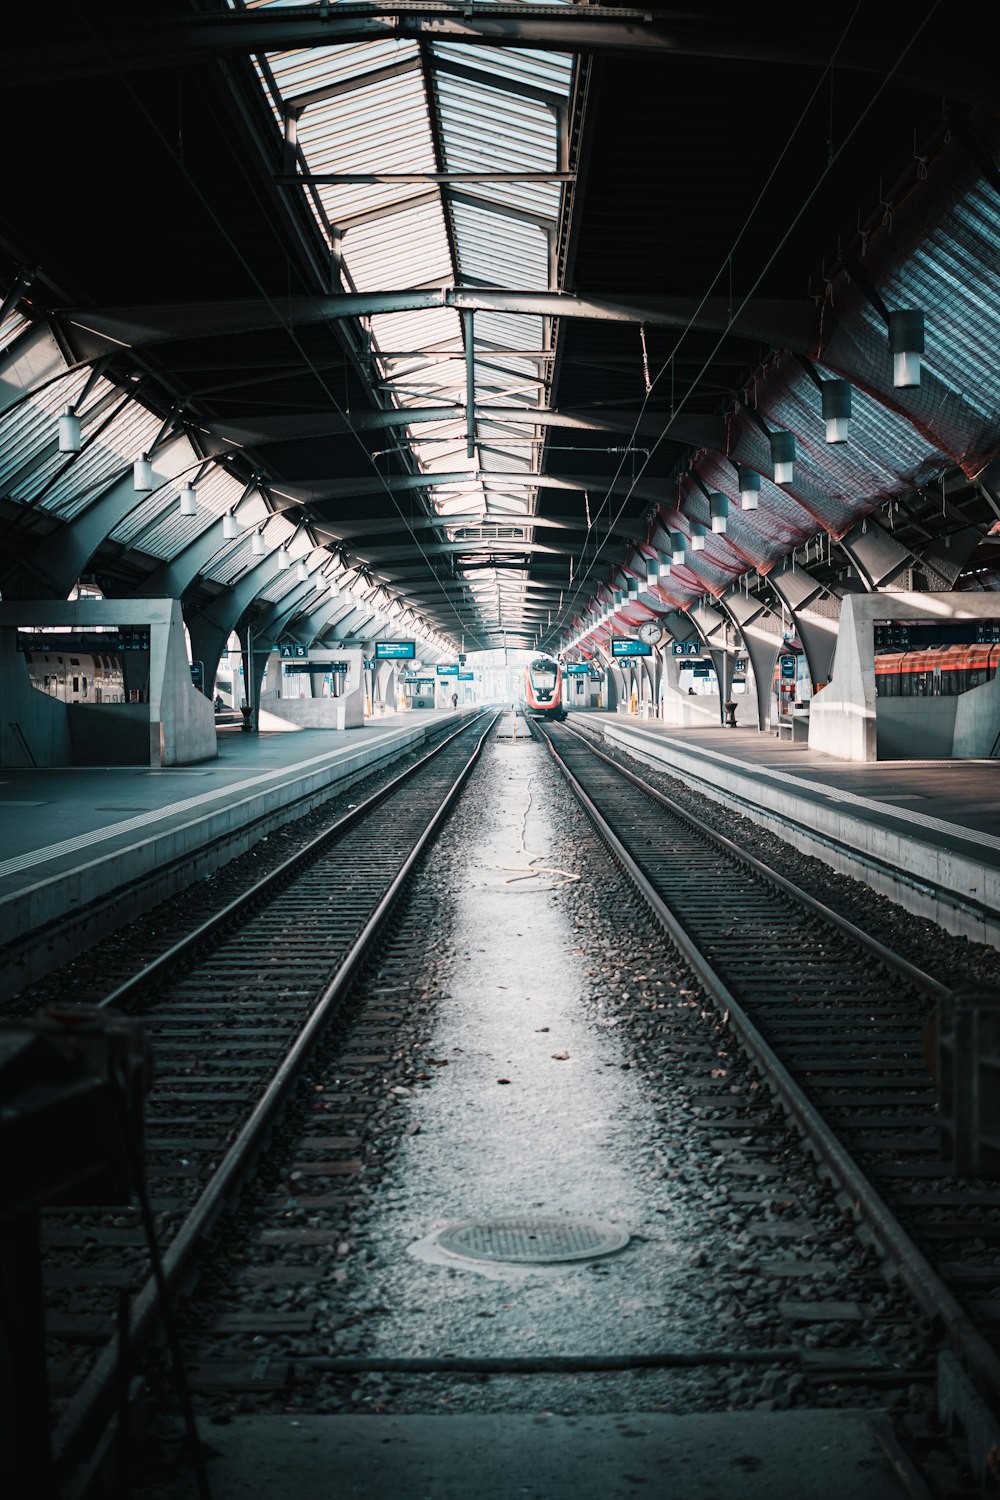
(139, 40)
(91, 332)
(699, 430)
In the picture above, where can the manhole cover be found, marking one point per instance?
(532, 1241)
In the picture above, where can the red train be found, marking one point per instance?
(543, 689)
(939, 671)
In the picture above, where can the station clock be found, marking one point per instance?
(650, 632)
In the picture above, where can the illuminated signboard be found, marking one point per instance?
(395, 650)
(449, 670)
(686, 648)
(918, 635)
(577, 668)
(630, 648)
(466, 676)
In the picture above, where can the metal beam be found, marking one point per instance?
(138, 40)
(415, 179)
(317, 491)
(788, 324)
(252, 431)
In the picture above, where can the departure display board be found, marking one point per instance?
(395, 650)
(577, 668)
(450, 669)
(630, 648)
(125, 638)
(919, 635)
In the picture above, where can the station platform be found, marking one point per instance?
(926, 833)
(828, 1455)
(72, 836)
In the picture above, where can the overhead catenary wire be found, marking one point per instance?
(735, 313)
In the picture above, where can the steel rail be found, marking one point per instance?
(885, 955)
(287, 869)
(979, 910)
(157, 885)
(977, 1357)
(93, 1401)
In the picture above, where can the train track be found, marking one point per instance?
(835, 1022)
(231, 1011)
(27, 960)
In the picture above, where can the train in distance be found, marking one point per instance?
(543, 689)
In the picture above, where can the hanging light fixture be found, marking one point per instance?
(749, 489)
(653, 569)
(718, 504)
(69, 431)
(783, 456)
(189, 500)
(284, 558)
(334, 588)
(258, 546)
(632, 585)
(697, 537)
(142, 475)
(836, 396)
(230, 526)
(678, 547)
(301, 571)
(664, 564)
(906, 345)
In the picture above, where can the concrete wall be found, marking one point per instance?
(307, 712)
(915, 728)
(347, 712)
(109, 734)
(180, 720)
(845, 715)
(977, 721)
(34, 728)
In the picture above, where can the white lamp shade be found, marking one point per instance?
(301, 572)
(906, 345)
(69, 431)
(697, 537)
(189, 500)
(142, 475)
(836, 396)
(284, 559)
(258, 546)
(334, 588)
(749, 489)
(906, 368)
(719, 507)
(230, 526)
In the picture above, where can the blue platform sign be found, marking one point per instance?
(685, 648)
(630, 648)
(787, 667)
(577, 668)
(290, 650)
(395, 650)
(466, 676)
(449, 670)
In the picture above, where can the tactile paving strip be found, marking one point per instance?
(530, 1241)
